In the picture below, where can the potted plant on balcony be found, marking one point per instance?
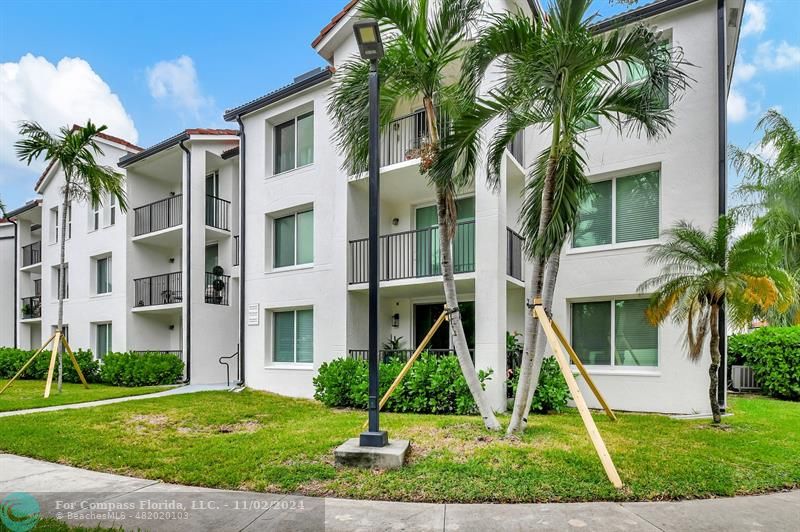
(26, 311)
(217, 285)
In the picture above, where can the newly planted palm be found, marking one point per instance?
(74, 150)
(701, 272)
(422, 44)
(558, 77)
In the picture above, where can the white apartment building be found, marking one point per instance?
(8, 301)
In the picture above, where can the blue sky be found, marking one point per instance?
(154, 68)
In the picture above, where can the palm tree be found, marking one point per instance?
(770, 191)
(74, 149)
(559, 77)
(701, 272)
(423, 42)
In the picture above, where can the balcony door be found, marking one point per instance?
(425, 315)
(427, 224)
(212, 193)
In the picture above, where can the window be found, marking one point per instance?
(112, 210)
(631, 342)
(293, 336)
(54, 224)
(57, 280)
(95, 217)
(294, 239)
(103, 275)
(625, 209)
(637, 73)
(294, 143)
(68, 232)
(102, 340)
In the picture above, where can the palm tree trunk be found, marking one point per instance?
(713, 369)
(534, 287)
(62, 279)
(549, 289)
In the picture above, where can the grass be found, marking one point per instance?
(263, 442)
(24, 394)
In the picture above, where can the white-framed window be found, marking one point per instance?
(293, 336)
(637, 73)
(293, 239)
(112, 210)
(68, 232)
(614, 333)
(54, 222)
(294, 143)
(95, 220)
(57, 280)
(103, 275)
(102, 342)
(620, 210)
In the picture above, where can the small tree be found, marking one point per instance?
(74, 149)
(701, 272)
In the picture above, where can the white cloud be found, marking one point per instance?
(737, 105)
(175, 83)
(744, 72)
(767, 152)
(67, 93)
(755, 18)
(784, 56)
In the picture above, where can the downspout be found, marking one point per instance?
(722, 191)
(16, 281)
(242, 240)
(187, 300)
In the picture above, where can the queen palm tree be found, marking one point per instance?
(558, 77)
(701, 272)
(74, 150)
(423, 42)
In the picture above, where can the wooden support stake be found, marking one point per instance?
(74, 362)
(28, 363)
(575, 360)
(586, 415)
(49, 383)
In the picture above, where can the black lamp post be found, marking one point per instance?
(368, 36)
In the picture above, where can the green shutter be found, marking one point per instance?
(594, 218)
(284, 241)
(305, 335)
(591, 332)
(635, 338)
(637, 207)
(284, 147)
(283, 337)
(305, 237)
(305, 139)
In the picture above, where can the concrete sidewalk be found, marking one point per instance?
(88, 498)
(178, 390)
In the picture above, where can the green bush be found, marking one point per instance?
(141, 369)
(434, 385)
(552, 392)
(12, 360)
(774, 355)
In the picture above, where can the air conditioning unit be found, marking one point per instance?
(743, 379)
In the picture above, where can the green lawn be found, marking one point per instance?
(24, 394)
(258, 441)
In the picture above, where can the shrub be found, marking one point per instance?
(774, 355)
(434, 385)
(11, 360)
(141, 369)
(552, 392)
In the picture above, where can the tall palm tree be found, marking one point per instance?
(770, 192)
(701, 271)
(74, 150)
(423, 42)
(558, 77)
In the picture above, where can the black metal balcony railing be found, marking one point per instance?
(514, 262)
(31, 307)
(517, 146)
(217, 212)
(158, 289)
(32, 254)
(217, 288)
(411, 254)
(405, 136)
(401, 355)
(236, 250)
(158, 215)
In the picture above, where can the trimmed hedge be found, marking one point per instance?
(774, 355)
(118, 369)
(434, 385)
(552, 392)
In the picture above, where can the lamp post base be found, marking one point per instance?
(353, 454)
(373, 439)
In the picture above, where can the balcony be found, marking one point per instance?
(164, 289)
(413, 254)
(31, 308)
(404, 137)
(514, 260)
(217, 288)
(32, 254)
(217, 210)
(159, 215)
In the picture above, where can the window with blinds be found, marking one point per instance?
(293, 336)
(103, 275)
(103, 334)
(624, 209)
(294, 143)
(634, 339)
(294, 239)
